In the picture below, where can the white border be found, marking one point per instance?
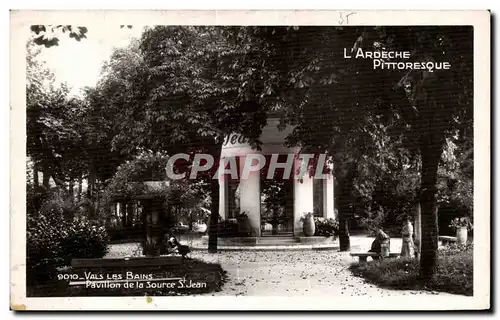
(481, 22)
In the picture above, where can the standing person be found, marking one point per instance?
(408, 247)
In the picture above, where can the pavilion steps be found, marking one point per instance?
(268, 234)
(276, 240)
(270, 241)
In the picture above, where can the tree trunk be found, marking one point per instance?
(344, 240)
(97, 195)
(91, 181)
(153, 245)
(191, 219)
(46, 174)
(35, 176)
(430, 150)
(80, 188)
(418, 231)
(71, 190)
(59, 182)
(130, 214)
(344, 208)
(123, 213)
(214, 207)
(214, 216)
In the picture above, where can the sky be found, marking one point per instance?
(79, 63)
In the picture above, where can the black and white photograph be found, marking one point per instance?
(173, 159)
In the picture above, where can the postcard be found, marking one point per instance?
(250, 160)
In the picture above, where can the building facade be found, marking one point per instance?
(273, 203)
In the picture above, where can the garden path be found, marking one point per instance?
(290, 273)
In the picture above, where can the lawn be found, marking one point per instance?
(454, 273)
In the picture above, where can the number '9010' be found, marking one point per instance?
(67, 276)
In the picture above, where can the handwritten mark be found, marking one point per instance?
(345, 19)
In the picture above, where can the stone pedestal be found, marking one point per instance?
(385, 249)
(154, 225)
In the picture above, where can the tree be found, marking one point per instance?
(68, 138)
(52, 121)
(103, 103)
(313, 88)
(440, 105)
(455, 182)
(424, 107)
(48, 35)
(185, 97)
(194, 85)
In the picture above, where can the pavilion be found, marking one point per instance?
(244, 194)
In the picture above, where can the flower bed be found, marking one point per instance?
(326, 227)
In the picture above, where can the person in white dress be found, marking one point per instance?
(408, 247)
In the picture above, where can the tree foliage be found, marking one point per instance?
(48, 35)
(54, 140)
(185, 88)
(187, 95)
(68, 137)
(333, 99)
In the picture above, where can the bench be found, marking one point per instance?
(364, 255)
(447, 239)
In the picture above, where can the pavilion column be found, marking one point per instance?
(122, 213)
(154, 227)
(328, 197)
(302, 201)
(250, 198)
(222, 197)
(418, 230)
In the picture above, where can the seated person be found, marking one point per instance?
(376, 244)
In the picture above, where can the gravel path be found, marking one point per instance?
(289, 273)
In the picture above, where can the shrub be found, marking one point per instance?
(446, 213)
(326, 227)
(52, 241)
(228, 229)
(305, 216)
(373, 220)
(455, 248)
(58, 205)
(461, 222)
(43, 246)
(244, 227)
(84, 239)
(454, 273)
